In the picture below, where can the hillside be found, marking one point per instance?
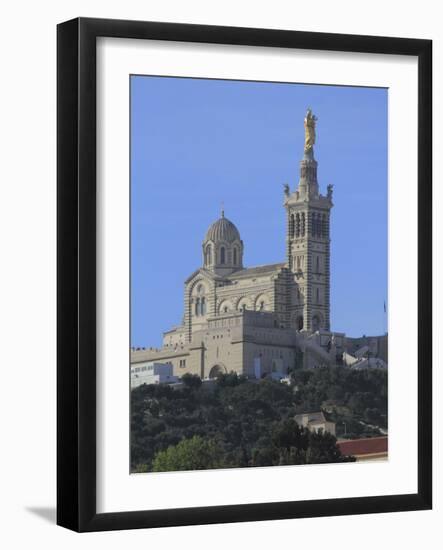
(241, 423)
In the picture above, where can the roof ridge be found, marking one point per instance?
(262, 265)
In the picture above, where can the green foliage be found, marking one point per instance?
(140, 469)
(230, 379)
(355, 399)
(237, 423)
(195, 453)
(191, 380)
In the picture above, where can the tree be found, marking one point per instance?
(290, 441)
(191, 380)
(287, 434)
(265, 456)
(140, 469)
(323, 449)
(195, 453)
(240, 423)
(230, 379)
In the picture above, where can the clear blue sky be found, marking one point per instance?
(198, 143)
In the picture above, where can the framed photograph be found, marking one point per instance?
(244, 274)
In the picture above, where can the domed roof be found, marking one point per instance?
(222, 230)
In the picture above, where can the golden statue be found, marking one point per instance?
(310, 121)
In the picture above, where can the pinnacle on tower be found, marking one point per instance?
(308, 184)
(309, 123)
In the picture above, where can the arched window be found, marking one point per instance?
(317, 225)
(203, 306)
(235, 255)
(242, 306)
(197, 307)
(208, 255)
(222, 255)
(262, 305)
(216, 371)
(300, 322)
(315, 323)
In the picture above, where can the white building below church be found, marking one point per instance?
(148, 372)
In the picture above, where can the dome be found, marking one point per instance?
(222, 230)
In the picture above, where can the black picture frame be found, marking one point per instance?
(76, 293)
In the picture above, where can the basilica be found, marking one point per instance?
(262, 320)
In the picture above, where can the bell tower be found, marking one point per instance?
(308, 241)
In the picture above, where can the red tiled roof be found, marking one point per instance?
(361, 447)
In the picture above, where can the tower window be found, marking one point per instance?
(297, 225)
(303, 224)
(222, 255)
(208, 254)
(316, 229)
(317, 295)
(317, 264)
(197, 307)
(235, 256)
(291, 225)
(315, 323)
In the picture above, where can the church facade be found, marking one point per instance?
(265, 319)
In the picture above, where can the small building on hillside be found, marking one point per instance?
(368, 346)
(371, 448)
(315, 422)
(371, 363)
